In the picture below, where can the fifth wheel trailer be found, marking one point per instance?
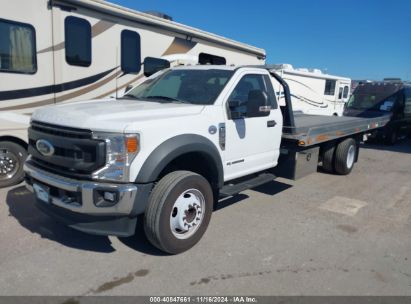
(314, 92)
(60, 51)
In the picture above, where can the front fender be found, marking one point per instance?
(175, 147)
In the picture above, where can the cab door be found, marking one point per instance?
(252, 140)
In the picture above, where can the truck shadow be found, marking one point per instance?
(402, 146)
(22, 207)
(272, 188)
(21, 204)
(139, 242)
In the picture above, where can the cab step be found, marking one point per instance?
(232, 189)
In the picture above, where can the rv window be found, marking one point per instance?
(17, 48)
(329, 87)
(130, 52)
(346, 90)
(340, 93)
(77, 41)
(205, 58)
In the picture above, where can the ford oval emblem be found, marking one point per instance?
(45, 147)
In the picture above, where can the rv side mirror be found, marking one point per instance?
(153, 65)
(257, 105)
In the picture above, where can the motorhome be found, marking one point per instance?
(313, 91)
(390, 96)
(58, 51)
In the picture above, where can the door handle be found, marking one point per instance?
(271, 123)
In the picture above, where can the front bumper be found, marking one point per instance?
(81, 204)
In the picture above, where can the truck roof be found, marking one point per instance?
(205, 67)
(380, 87)
(151, 20)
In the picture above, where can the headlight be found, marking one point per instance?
(121, 149)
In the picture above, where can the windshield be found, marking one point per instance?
(374, 97)
(200, 87)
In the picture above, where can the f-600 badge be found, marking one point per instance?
(45, 147)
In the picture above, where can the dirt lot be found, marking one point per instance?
(321, 235)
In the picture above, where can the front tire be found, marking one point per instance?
(12, 158)
(345, 155)
(178, 212)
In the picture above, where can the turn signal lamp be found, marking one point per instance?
(132, 144)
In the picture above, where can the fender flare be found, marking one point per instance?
(175, 147)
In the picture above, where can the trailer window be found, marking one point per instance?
(340, 93)
(346, 90)
(205, 58)
(329, 87)
(17, 47)
(77, 32)
(130, 52)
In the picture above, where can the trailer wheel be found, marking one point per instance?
(178, 212)
(345, 155)
(328, 159)
(391, 137)
(12, 158)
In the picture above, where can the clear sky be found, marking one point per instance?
(361, 39)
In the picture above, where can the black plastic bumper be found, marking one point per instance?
(99, 225)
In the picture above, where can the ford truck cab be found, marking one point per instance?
(163, 150)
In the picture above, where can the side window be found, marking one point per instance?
(407, 107)
(247, 84)
(130, 52)
(77, 41)
(340, 93)
(205, 58)
(17, 47)
(329, 87)
(270, 92)
(346, 90)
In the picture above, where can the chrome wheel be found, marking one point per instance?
(9, 164)
(350, 156)
(187, 213)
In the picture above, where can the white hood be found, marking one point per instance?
(111, 115)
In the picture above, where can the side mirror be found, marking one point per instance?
(257, 105)
(153, 65)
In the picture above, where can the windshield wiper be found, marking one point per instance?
(127, 96)
(165, 98)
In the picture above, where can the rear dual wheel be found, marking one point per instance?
(340, 159)
(345, 155)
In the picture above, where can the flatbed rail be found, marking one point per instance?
(310, 130)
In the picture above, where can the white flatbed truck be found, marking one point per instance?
(175, 144)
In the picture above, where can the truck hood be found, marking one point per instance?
(111, 115)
